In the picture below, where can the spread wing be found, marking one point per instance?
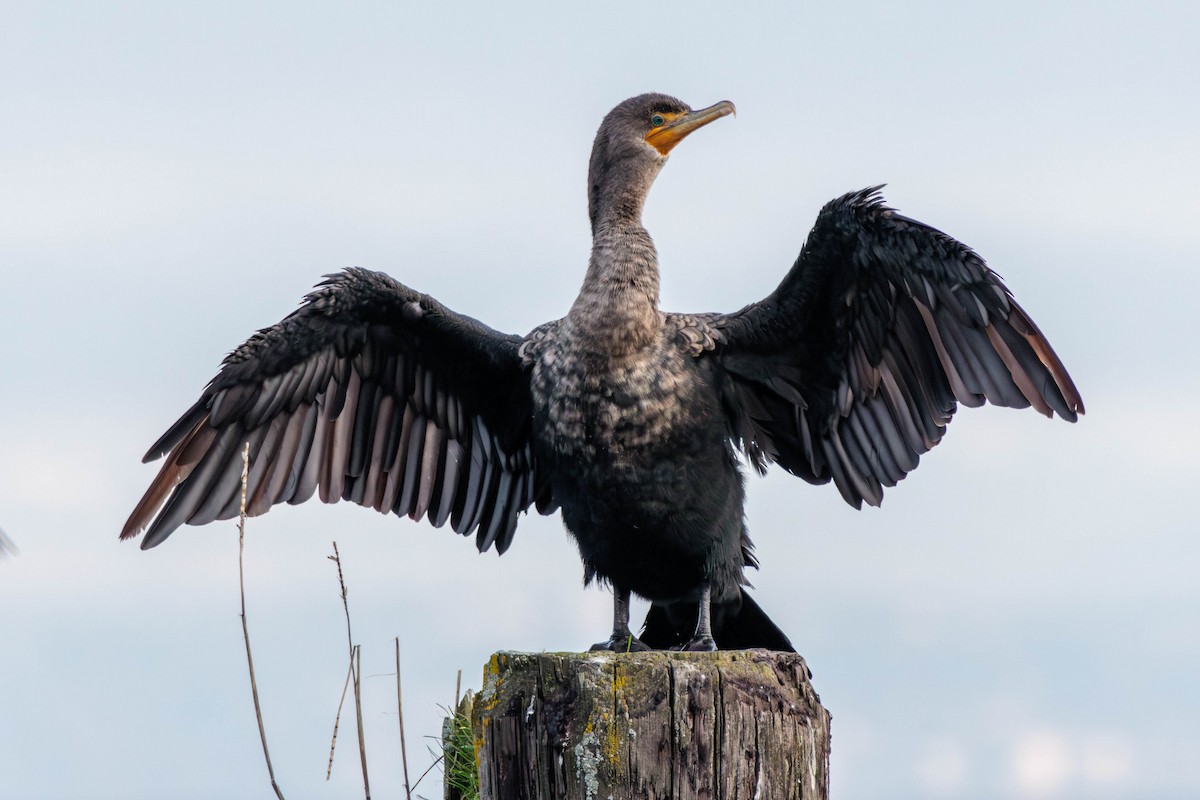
(369, 392)
(852, 368)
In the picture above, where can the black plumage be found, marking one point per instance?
(629, 419)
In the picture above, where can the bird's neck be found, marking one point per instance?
(616, 311)
(617, 191)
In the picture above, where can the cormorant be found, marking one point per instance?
(628, 418)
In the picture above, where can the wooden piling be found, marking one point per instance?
(732, 725)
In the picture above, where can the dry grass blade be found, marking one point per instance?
(338, 718)
(400, 709)
(437, 760)
(336, 558)
(362, 746)
(356, 671)
(262, 732)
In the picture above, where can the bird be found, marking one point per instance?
(636, 424)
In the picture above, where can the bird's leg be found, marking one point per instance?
(702, 640)
(622, 639)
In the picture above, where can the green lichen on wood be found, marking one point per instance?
(651, 725)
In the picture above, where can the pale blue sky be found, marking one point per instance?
(1019, 620)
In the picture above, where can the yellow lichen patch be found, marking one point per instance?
(613, 746)
(489, 694)
(478, 740)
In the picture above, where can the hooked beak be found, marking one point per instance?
(666, 136)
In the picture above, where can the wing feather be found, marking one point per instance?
(431, 456)
(853, 367)
(369, 392)
(375, 479)
(449, 483)
(309, 469)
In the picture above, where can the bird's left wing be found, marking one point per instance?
(369, 392)
(853, 366)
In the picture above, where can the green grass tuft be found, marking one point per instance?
(458, 754)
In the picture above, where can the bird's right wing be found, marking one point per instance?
(369, 392)
(852, 368)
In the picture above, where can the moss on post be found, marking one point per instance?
(734, 724)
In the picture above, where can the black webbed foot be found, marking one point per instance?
(624, 642)
(700, 644)
(622, 639)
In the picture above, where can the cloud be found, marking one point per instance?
(1105, 759)
(1044, 763)
(944, 767)
(1041, 764)
(38, 478)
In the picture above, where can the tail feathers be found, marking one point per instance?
(737, 625)
(750, 627)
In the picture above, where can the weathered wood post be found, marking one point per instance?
(590, 726)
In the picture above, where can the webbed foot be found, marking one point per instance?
(622, 642)
(622, 639)
(700, 644)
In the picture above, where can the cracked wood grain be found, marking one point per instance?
(732, 725)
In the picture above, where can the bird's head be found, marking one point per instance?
(633, 143)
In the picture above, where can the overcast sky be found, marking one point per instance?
(1019, 620)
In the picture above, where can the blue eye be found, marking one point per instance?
(657, 120)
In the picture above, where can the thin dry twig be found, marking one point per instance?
(400, 709)
(437, 760)
(262, 733)
(336, 558)
(356, 671)
(362, 747)
(338, 718)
